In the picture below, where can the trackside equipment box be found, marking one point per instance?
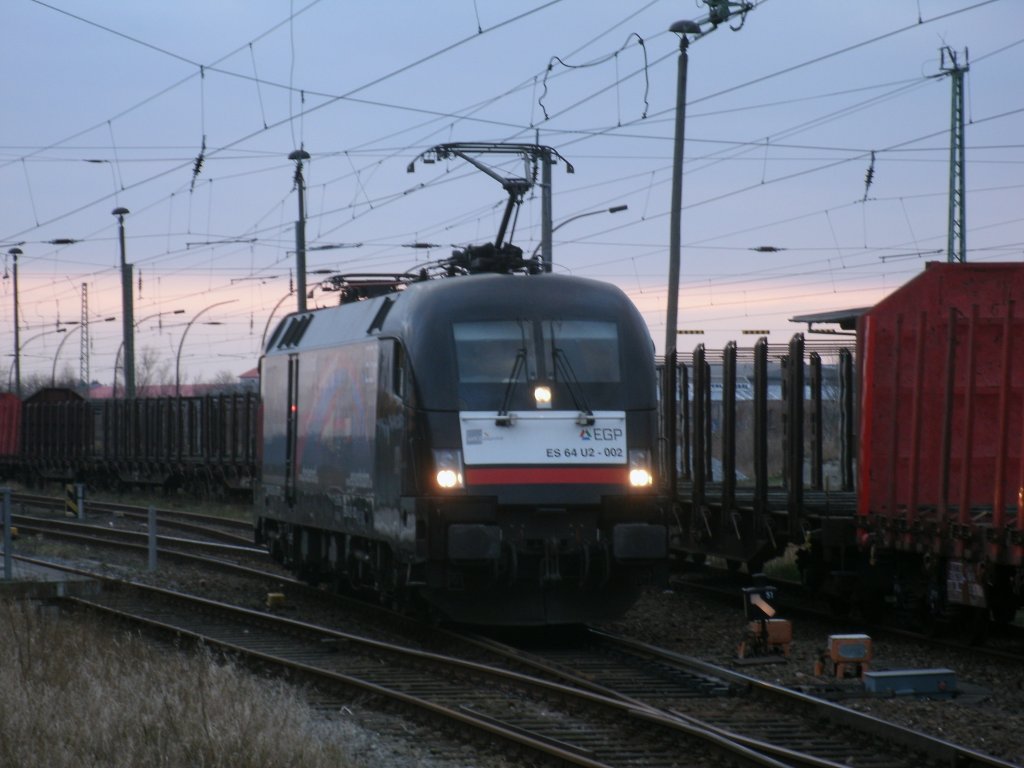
(844, 649)
(911, 682)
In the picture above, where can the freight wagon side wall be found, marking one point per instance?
(942, 412)
(10, 426)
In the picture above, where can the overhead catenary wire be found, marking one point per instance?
(366, 195)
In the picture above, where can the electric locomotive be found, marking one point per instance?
(483, 443)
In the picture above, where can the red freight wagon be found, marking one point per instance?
(942, 422)
(10, 425)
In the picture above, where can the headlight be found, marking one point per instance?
(640, 478)
(448, 469)
(449, 478)
(640, 475)
(542, 396)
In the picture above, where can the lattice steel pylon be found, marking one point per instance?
(83, 337)
(957, 245)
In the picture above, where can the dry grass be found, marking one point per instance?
(77, 694)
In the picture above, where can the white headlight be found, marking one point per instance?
(640, 475)
(449, 478)
(448, 469)
(640, 478)
(542, 396)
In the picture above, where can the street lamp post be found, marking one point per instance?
(683, 28)
(53, 373)
(29, 340)
(559, 225)
(15, 253)
(300, 227)
(181, 344)
(719, 11)
(120, 349)
(128, 324)
(263, 339)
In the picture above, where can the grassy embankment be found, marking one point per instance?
(80, 694)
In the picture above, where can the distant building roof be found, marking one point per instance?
(846, 319)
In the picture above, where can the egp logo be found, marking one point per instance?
(601, 434)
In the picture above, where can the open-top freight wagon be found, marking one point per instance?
(894, 468)
(206, 444)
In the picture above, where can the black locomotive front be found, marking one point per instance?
(484, 441)
(540, 415)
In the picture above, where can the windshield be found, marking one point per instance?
(500, 361)
(587, 349)
(486, 352)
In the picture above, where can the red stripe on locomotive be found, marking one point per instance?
(546, 475)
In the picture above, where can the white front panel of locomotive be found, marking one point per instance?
(548, 437)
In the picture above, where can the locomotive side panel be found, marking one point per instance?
(393, 451)
(273, 430)
(334, 452)
(334, 440)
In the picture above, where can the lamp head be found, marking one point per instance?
(685, 27)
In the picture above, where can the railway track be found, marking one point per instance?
(212, 527)
(611, 702)
(662, 691)
(243, 560)
(542, 719)
(602, 701)
(791, 726)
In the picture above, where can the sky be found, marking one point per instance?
(185, 113)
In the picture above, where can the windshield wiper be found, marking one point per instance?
(504, 417)
(579, 399)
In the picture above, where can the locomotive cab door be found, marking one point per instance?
(391, 459)
(291, 429)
